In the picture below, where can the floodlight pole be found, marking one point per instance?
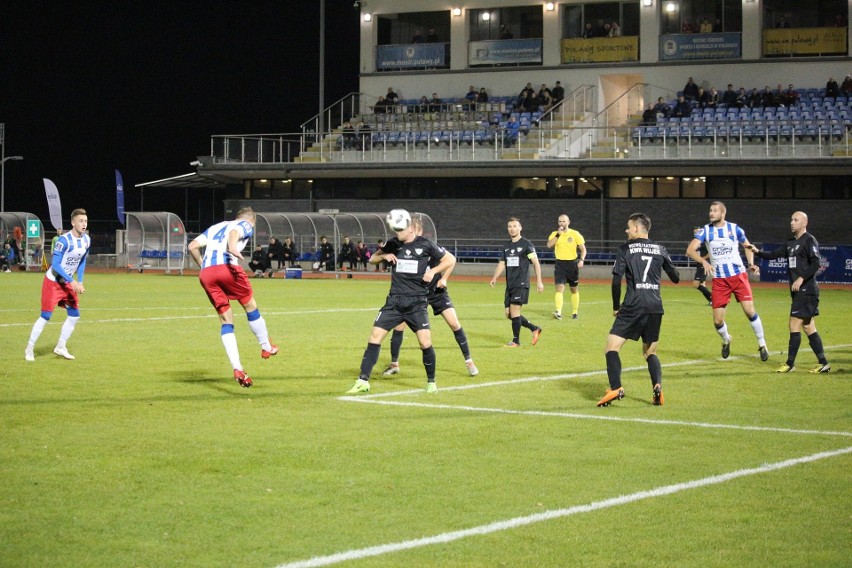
(3, 160)
(320, 117)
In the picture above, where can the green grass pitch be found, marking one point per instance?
(144, 451)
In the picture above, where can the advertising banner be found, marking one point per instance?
(681, 47)
(54, 205)
(835, 265)
(504, 51)
(600, 49)
(411, 56)
(804, 41)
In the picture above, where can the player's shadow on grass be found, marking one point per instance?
(217, 382)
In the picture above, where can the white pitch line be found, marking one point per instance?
(508, 524)
(598, 417)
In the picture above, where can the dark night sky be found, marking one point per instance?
(87, 87)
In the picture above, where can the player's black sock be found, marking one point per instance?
(793, 347)
(396, 345)
(613, 369)
(461, 339)
(516, 329)
(816, 344)
(527, 324)
(703, 289)
(655, 369)
(368, 361)
(429, 363)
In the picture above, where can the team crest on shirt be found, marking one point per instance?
(419, 251)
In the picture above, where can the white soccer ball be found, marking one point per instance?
(398, 220)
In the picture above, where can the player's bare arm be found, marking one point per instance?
(539, 285)
(582, 259)
(447, 262)
(748, 248)
(195, 251)
(692, 252)
(497, 272)
(233, 247)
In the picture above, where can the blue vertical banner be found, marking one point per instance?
(119, 197)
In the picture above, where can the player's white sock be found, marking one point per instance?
(757, 326)
(229, 340)
(258, 328)
(38, 327)
(67, 330)
(723, 332)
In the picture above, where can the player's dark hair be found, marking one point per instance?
(641, 219)
(514, 219)
(78, 212)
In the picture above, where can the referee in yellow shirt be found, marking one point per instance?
(570, 255)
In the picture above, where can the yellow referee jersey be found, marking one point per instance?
(567, 243)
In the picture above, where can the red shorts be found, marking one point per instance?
(223, 283)
(737, 285)
(54, 294)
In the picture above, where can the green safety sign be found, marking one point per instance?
(33, 229)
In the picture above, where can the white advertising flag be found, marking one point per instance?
(53, 203)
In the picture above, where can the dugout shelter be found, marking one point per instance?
(306, 229)
(155, 241)
(28, 232)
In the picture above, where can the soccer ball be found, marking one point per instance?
(398, 220)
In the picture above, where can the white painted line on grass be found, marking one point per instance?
(499, 526)
(597, 417)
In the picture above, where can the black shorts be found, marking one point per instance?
(408, 309)
(700, 273)
(566, 271)
(804, 307)
(517, 296)
(440, 301)
(634, 326)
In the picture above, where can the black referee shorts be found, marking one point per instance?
(566, 271)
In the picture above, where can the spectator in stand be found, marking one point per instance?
(701, 99)
(767, 98)
(832, 89)
(347, 254)
(381, 106)
(782, 23)
(601, 29)
(505, 32)
(690, 90)
(588, 31)
(712, 98)
(717, 26)
(423, 104)
(558, 93)
(382, 265)
(706, 27)
(435, 103)
(275, 252)
(755, 99)
(391, 98)
(482, 96)
(469, 100)
(290, 253)
(511, 132)
(347, 136)
(663, 108)
(259, 263)
(362, 254)
(687, 28)
(543, 99)
(363, 135)
(649, 117)
(432, 37)
(682, 109)
(729, 97)
(742, 98)
(326, 255)
(418, 37)
(846, 86)
(615, 29)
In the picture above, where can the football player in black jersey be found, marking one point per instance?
(410, 257)
(803, 261)
(442, 306)
(642, 262)
(518, 255)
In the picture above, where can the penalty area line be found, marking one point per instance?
(509, 524)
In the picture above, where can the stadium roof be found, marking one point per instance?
(191, 180)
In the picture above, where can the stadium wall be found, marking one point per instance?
(598, 219)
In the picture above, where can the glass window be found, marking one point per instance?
(808, 188)
(670, 187)
(721, 187)
(688, 16)
(590, 187)
(507, 23)
(599, 16)
(779, 187)
(750, 187)
(642, 187)
(619, 187)
(415, 27)
(810, 14)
